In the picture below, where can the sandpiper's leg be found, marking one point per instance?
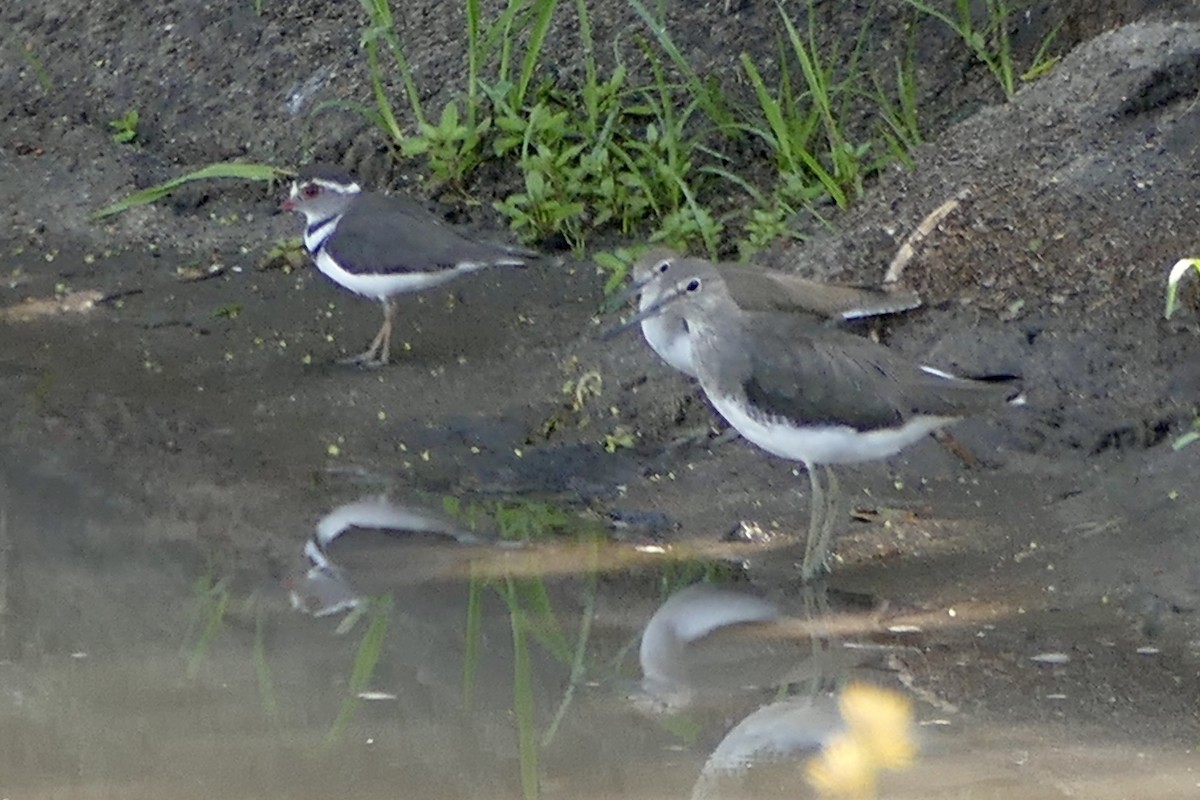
(826, 513)
(947, 440)
(702, 437)
(726, 436)
(376, 354)
(816, 503)
(833, 515)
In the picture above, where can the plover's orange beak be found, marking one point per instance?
(288, 205)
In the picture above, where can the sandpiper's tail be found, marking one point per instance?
(1012, 383)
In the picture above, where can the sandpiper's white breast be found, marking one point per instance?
(667, 335)
(822, 444)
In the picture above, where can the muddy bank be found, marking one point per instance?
(181, 428)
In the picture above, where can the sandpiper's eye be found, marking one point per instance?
(663, 266)
(693, 285)
(310, 190)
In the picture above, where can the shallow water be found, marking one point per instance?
(132, 668)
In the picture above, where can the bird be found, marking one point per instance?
(846, 741)
(805, 392)
(688, 616)
(326, 588)
(379, 245)
(753, 288)
(707, 644)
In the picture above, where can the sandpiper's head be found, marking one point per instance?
(658, 270)
(697, 285)
(321, 192)
(683, 283)
(654, 262)
(699, 291)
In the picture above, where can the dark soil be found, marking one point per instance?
(216, 404)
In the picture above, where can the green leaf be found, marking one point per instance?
(1185, 440)
(535, 183)
(414, 146)
(245, 172)
(1181, 268)
(449, 117)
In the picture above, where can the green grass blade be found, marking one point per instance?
(698, 213)
(528, 599)
(474, 55)
(383, 26)
(473, 633)
(533, 52)
(589, 63)
(527, 742)
(1188, 438)
(365, 661)
(938, 14)
(547, 630)
(245, 172)
(372, 645)
(578, 663)
(778, 139)
(1042, 63)
(816, 79)
(501, 34)
(371, 115)
(638, 178)
(39, 70)
(217, 599)
(1178, 272)
(386, 114)
(262, 670)
(708, 99)
(380, 15)
(827, 180)
(736, 180)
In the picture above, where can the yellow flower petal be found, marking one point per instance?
(882, 721)
(843, 769)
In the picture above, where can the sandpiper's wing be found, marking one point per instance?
(756, 289)
(800, 372)
(387, 234)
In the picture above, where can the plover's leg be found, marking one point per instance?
(389, 314)
(376, 354)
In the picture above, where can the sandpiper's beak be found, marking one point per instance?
(629, 292)
(646, 313)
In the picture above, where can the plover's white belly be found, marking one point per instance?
(827, 444)
(382, 286)
(667, 335)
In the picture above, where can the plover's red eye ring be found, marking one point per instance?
(310, 190)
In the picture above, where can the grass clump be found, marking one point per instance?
(599, 154)
(802, 121)
(125, 127)
(647, 156)
(642, 143)
(991, 41)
